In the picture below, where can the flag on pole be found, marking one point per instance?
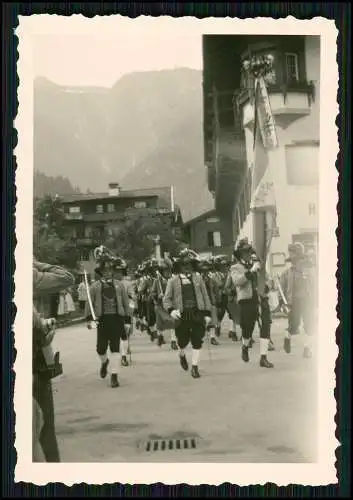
(265, 138)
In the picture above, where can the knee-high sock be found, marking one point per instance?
(245, 342)
(114, 362)
(103, 358)
(212, 333)
(123, 347)
(264, 346)
(172, 336)
(234, 326)
(287, 335)
(195, 356)
(181, 352)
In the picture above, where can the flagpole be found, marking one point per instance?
(264, 125)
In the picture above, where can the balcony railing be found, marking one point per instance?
(242, 96)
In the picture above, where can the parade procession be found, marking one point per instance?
(175, 302)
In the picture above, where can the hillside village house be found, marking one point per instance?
(90, 218)
(209, 234)
(236, 162)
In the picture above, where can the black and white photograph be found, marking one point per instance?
(177, 198)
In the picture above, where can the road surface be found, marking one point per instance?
(235, 412)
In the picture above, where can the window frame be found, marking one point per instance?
(75, 209)
(139, 202)
(100, 211)
(211, 241)
(296, 57)
(109, 206)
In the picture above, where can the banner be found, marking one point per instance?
(263, 197)
(263, 115)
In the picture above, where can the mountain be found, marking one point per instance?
(144, 131)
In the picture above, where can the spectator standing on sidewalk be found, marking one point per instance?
(47, 279)
(82, 295)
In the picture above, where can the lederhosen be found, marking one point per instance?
(191, 327)
(111, 326)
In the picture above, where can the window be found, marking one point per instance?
(212, 220)
(302, 165)
(111, 207)
(291, 68)
(99, 209)
(214, 239)
(140, 204)
(74, 210)
(85, 256)
(88, 232)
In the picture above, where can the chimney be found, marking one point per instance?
(114, 189)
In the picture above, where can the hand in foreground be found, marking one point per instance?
(175, 314)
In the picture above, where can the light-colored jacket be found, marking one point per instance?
(243, 286)
(96, 297)
(173, 298)
(302, 283)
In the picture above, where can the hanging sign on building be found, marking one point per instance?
(265, 118)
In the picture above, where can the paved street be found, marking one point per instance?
(236, 412)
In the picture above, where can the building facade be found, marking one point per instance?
(293, 88)
(209, 234)
(92, 218)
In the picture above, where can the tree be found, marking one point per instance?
(50, 240)
(133, 238)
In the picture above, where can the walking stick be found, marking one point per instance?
(282, 295)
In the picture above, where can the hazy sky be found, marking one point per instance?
(98, 59)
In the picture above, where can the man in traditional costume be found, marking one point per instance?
(120, 273)
(188, 303)
(206, 269)
(110, 302)
(245, 278)
(163, 320)
(297, 285)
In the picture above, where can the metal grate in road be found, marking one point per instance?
(154, 445)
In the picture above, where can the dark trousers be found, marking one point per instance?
(190, 328)
(222, 308)
(140, 308)
(43, 394)
(150, 313)
(111, 328)
(249, 312)
(301, 309)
